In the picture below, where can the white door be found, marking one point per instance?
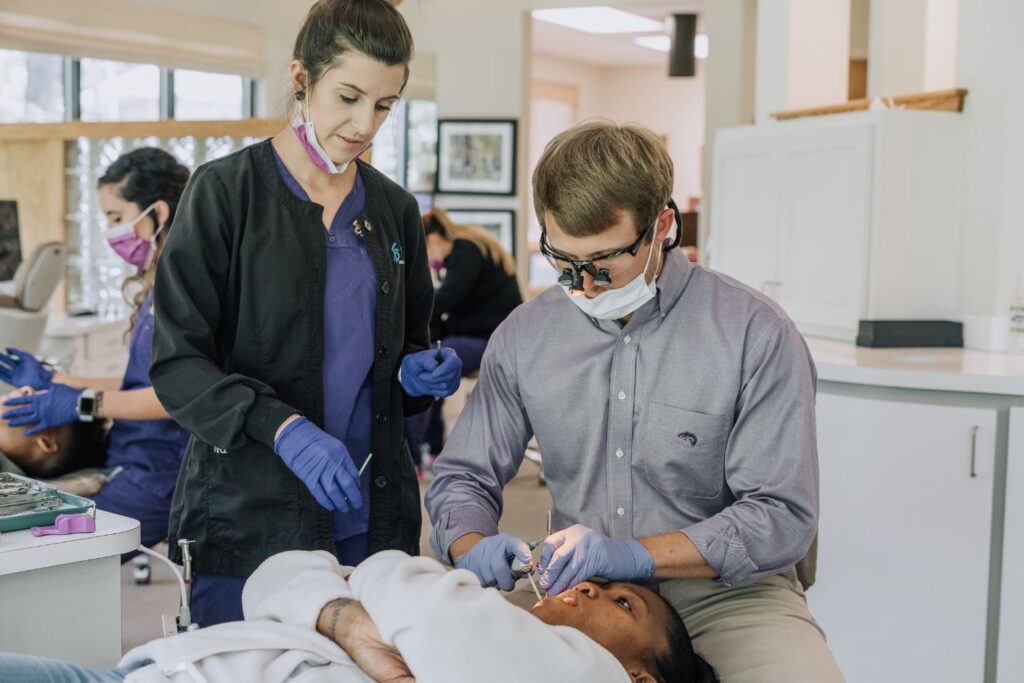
(744, 234)
(903, 546)
(825, 209)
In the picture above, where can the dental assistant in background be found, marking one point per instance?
(478, 290)
(293, 303)
(139, 195)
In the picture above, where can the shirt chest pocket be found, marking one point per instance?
(682, 452)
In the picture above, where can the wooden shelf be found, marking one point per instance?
(939, 100)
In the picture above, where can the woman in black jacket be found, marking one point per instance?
(478, 290)
(292, 309)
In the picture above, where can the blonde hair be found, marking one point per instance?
(594, 170)
(437, 222)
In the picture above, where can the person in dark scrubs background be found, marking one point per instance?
(478, 290)
(138, 194)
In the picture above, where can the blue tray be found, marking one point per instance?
(72, 505)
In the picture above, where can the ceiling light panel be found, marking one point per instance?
(659, 43)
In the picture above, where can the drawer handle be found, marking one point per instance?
(974, 450)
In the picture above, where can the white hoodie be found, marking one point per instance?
(445, 625)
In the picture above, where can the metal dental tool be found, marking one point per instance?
(184, 621)
(365, 463)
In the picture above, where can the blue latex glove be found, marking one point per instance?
(423, 375)
(491, 560)
(322, 463)
(579, 553)
(21, 369)
(43, 410)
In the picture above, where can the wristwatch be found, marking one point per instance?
(86, 405)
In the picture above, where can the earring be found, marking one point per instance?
(300, 95)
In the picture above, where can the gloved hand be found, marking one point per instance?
(491, 560)
(422, 375)
(579, 553)
(54, 407)
(322, 463)
(21, 369)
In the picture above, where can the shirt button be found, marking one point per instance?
(330, 239)
(385, 287)
(381, 417)
(619, 453)
(621, 511)
(380, 482)
(383, 353)
(628, 339)
(622, 395)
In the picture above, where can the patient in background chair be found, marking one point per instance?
(400, 619)
(69, 457)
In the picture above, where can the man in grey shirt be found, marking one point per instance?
(674, 408)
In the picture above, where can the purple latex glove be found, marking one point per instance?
(491, 560)
(322, 463)
(43, 410)
(424, 375)
(21, 369)
(579, 553)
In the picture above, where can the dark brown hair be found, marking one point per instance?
(592, 171)
(142, 177)
(333, 27)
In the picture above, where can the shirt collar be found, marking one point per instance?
(674, 278)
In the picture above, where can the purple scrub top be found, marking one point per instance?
(350, 310)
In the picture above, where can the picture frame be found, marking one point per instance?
(476, 156)
(499, 222)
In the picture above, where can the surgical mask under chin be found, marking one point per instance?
(613, 304)
(305, 132)
(129, 246)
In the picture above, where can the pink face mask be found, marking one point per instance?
(306, 133)
(128, 245)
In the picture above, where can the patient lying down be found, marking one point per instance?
(70, 457)
(399, 618)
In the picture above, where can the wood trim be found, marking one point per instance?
(73, 130)
(939, 100)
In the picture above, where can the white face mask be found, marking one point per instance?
(613, 304)
(304, 130)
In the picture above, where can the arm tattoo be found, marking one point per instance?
(336, 607)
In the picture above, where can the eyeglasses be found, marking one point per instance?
(600, 267)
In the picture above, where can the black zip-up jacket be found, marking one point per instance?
(238, 347)
(476, 295)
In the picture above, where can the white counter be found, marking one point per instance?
(921, 463)
(60, 596)
(936, 369)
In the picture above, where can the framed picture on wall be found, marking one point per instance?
(476, 156)
(499, 222)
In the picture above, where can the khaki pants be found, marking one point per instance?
(762, 633)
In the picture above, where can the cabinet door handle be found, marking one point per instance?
(974, 450)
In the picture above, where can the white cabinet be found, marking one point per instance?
(904, 538)
(1011, 607)
(841, 218)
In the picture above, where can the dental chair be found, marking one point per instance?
(23, 312)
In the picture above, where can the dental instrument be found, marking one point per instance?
(365, 463)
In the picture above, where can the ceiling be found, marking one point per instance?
(609, 49)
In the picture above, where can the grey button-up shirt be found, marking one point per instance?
(697, 416)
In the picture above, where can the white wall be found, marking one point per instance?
(992, 249)
(673, 107)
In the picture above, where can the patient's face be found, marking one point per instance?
(34, 454)
(626, 619)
